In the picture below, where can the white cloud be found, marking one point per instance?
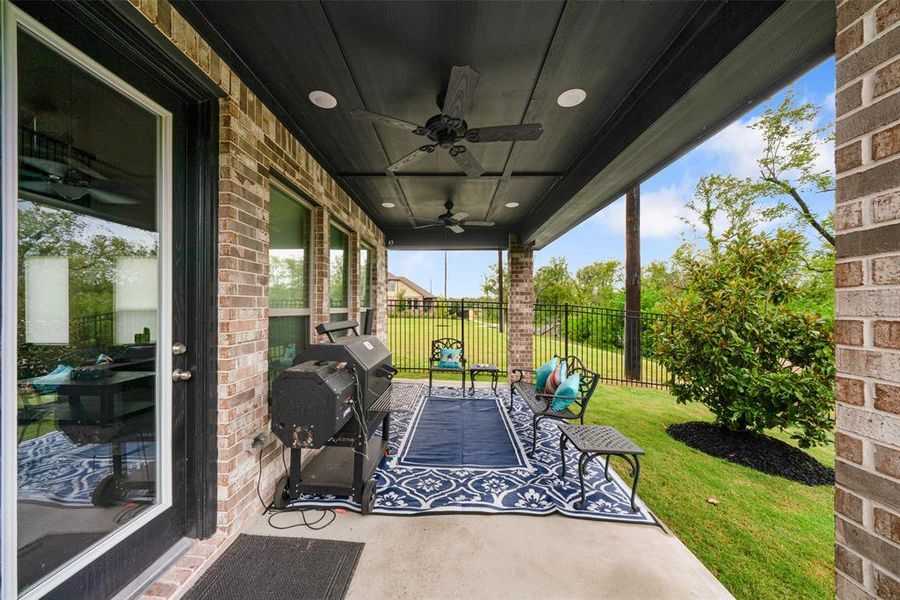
(736, 149)
(662, 212)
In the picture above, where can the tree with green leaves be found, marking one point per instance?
(489, 283)
(791, 133)
(553, 283)
(600, 283)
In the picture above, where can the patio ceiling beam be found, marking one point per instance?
(474, 239)
(727, 59)
(453, 176)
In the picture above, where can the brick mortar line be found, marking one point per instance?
(859, 78)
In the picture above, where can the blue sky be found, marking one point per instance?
(733, 150)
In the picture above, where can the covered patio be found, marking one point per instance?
(292, 145)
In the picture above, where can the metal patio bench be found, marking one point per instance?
(436, 347)
(541, 404)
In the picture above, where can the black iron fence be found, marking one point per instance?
(596, 335)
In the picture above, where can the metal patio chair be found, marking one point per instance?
(436, 347)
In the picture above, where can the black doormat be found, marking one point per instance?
(44, 554)
(263, 567)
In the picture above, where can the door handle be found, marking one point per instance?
(179, 375)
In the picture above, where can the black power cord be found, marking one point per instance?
(269, 508)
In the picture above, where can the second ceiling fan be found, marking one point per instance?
(448, 128)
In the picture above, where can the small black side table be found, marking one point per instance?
(593, 441)
(490, 369)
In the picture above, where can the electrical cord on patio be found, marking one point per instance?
(268, 508)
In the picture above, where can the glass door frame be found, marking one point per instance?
(11, 19)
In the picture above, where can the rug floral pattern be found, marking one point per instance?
(535, 490)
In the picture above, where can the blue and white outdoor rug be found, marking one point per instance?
(53, 469)
(471, 433)
(533, 489)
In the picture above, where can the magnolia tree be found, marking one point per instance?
(752, 335)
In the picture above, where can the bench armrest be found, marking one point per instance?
(521, 373)
(548, 398)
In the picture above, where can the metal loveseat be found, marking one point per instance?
(541, 404)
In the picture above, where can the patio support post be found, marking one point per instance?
(379, 294)
(353, 277)
(500, 290)
(520, 312)
(867, 300)
(633, 283)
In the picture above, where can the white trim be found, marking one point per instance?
(333, 310)
(8, 424)
(12, 18)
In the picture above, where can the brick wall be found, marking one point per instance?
(520, 314)
(867, 277)
(254, 147)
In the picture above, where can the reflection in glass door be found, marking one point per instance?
(90, 275)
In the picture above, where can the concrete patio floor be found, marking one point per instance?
(510, 556)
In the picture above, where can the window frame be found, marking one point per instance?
(368, 280)
(332, 310)
(310, 263)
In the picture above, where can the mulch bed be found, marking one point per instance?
(753, 450)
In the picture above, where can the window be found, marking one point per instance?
(290, 236)
(392, 285)
(337, 281)
(365, 277)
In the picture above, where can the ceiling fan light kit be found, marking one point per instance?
(448, 129)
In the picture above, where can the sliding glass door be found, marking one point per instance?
(87, 320)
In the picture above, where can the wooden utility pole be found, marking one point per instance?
(500, 290)
(633, 283)
(445, 274)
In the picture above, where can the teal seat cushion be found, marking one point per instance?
(450, 358)
(543, 372)
(567, 392)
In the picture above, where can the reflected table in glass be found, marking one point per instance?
(91, 414)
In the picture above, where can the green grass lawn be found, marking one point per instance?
(767, 538)
(409, 338)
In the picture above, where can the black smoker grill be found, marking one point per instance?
(325, 402)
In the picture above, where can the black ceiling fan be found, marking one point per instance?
(448, 128)
(452, 221)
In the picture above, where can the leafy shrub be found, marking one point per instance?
(738, 347)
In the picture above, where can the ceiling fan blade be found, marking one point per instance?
(460, 216)
(411, 157)
(367, 115)
(431, 221)
(111, 198)
(468, 163)
(427, 226)
(479, 223)
(455, 228)
(459, 91)
(506, 133)
(50, 167)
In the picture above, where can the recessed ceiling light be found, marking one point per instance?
(511, 204)
(322, 99)
(388, 204)
(570, 98)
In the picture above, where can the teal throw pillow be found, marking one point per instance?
(543, 372)
(567, 392)
(450, 358)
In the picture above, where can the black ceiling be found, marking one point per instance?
(660, 77)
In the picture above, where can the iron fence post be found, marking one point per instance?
(566, 331)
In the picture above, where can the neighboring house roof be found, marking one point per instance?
(412, 285)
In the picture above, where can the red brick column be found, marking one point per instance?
(867, 277)
(520, 314)
(321, 269)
